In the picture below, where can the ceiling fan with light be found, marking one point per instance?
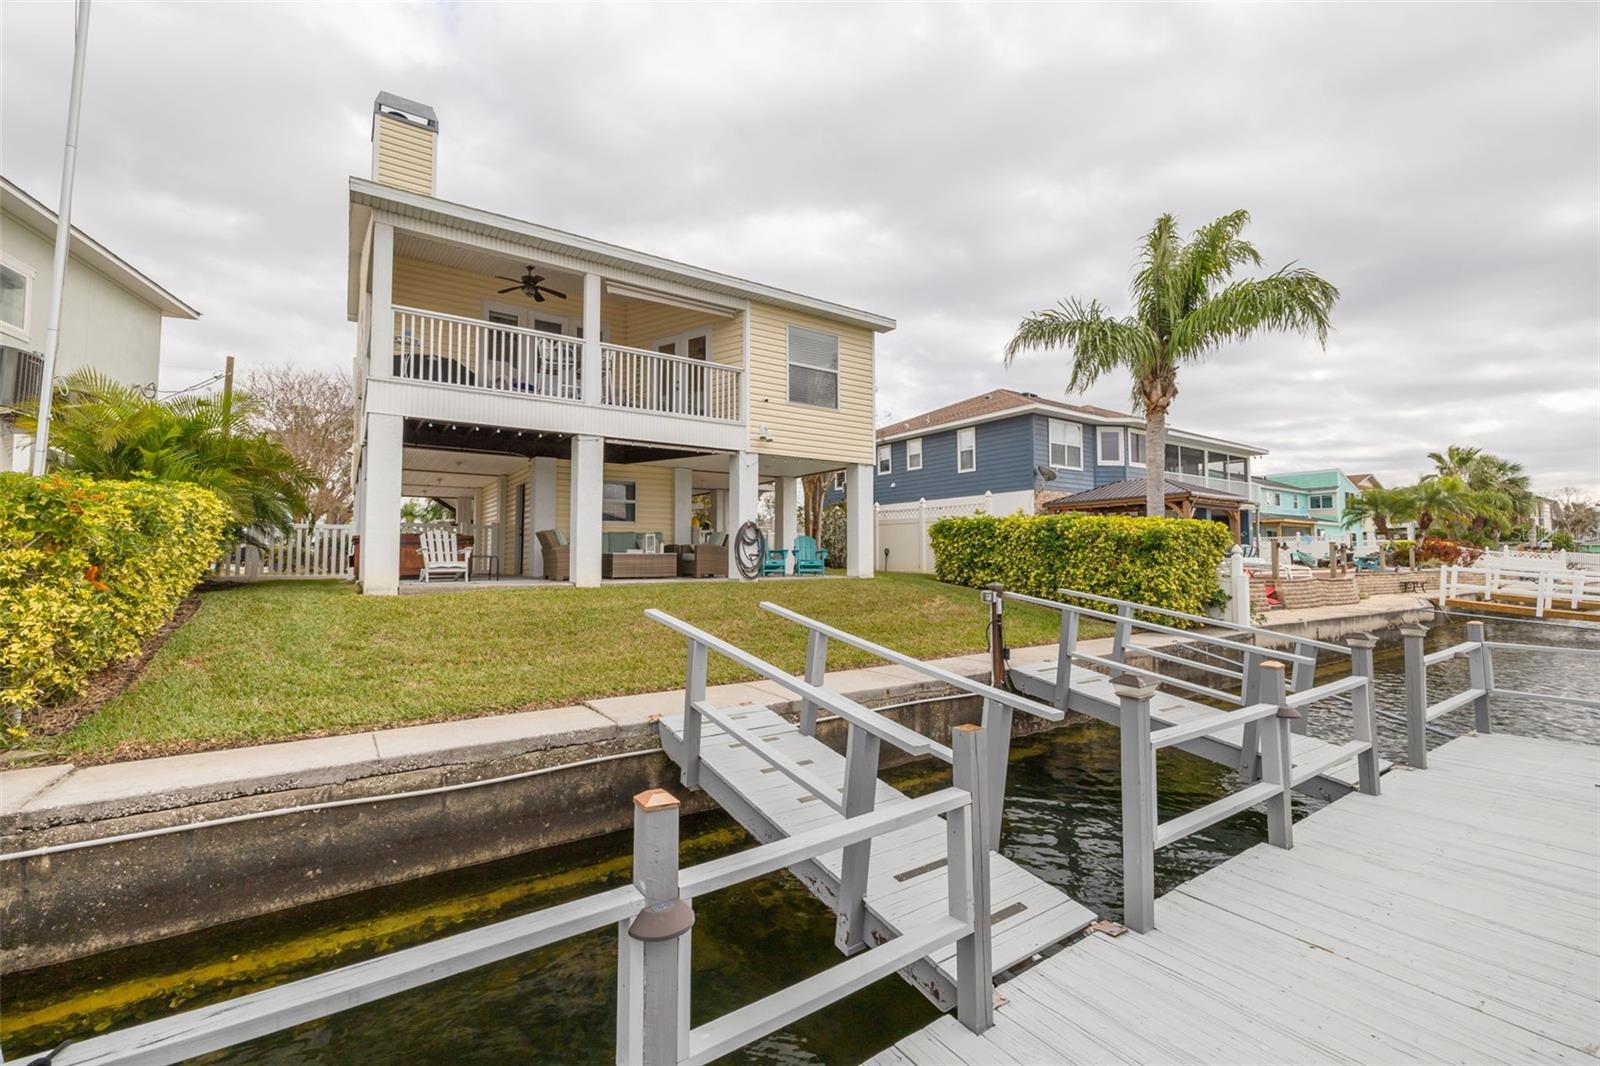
(529, 285)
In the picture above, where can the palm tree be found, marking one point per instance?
(1386, 507)
(1185, 307)
(1501, 491)
(1454, 461)
(106, 429)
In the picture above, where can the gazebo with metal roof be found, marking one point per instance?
(1182, 500)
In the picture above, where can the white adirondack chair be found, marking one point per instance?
(441, 555)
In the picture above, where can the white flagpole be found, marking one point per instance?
(58, 270)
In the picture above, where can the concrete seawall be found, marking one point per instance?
(463, 793)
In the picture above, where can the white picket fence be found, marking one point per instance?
(1513, 558)
(307, 551)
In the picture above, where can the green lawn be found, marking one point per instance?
(272, 661)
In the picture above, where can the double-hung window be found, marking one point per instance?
(620, 501)
(1135, 447)
(1322, 503)
(885, 459)
(15, 281)
(813, 367)
(1109, 447)
(914, 453)
(1066, 444)
(966, 450)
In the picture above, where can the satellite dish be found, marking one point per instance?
(1046, 473)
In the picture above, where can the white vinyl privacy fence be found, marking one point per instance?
(902, 528)
(306, 551)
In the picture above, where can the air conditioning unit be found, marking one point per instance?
(21, 375)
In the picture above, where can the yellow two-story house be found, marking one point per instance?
(542, 382)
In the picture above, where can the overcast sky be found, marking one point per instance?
(954, 167)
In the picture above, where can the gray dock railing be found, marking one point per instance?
(1269, 709)
(653, 915)
(1478, 651)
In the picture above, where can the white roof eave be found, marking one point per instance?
(371, 194)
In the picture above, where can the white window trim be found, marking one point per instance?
(970, 469)
(918, 464)
(885, 459)
(1050, 444)
(1128, 444)
(29, 277)
(788, 363)
(627, 501)
(1099, 451)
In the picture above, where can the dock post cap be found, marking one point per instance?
(1286, 711)
(666, 920)
(655, 799)
(1361, 640)
(969, 727)
(1131, 687)
(1413, 630)
(1271, 664)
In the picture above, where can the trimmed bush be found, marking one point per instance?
(89, 570)
(1165, 562)
(1447, 552)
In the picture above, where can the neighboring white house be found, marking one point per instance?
(110, 319)
(546, 383)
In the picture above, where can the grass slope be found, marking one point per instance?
(277, 660)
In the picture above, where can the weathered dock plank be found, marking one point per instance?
(1456, 918)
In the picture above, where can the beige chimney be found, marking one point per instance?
(405, 144)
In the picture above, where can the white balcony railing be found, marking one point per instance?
(1246, 489)
(450, 350)
(486, 355)
(669, 384)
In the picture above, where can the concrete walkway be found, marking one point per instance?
(51, 796)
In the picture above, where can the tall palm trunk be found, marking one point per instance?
(1155, 459)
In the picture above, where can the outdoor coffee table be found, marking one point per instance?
(639, 564)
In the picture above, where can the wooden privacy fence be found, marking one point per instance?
(306, 551)
(1478, 651)
(653, 914)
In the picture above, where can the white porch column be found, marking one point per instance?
(591, 339)
(465, 522)
(541, 506)
(719, 511)
(381, 335)
(744, 485)
(858, 507)
(588, 485)
(502, 521)
(786, 511)
(380, 506)
(682, 504)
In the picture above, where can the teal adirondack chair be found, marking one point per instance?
(776, 562)
(808, 558)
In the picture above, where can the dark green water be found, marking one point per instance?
(558, 1005)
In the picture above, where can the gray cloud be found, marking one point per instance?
(955, 167)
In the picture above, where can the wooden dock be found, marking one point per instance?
(1456, 918)
(906, 875)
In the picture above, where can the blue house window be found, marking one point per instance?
(966, 450)
(1066, 445)
(914, 453)
(885, 459)
(1110, 447)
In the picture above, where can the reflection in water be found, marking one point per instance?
(558, 1005)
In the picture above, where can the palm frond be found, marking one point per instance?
(1099, 343)
(1293, 300)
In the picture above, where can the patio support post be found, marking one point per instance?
(588, 484)
(744, 475)
(380, 504)
(541, 510)
(859, 548)
(786, 512)
(591, 351)
(682, 504)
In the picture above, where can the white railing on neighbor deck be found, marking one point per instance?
(668, 384)
(450, 350)
(306, 551)
(1546, 588)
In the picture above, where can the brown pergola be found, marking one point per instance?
(1127, 497)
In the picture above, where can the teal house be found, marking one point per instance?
(1318, 497)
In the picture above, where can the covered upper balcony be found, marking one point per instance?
(467, 332)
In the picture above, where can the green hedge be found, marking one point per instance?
(1165, 562)
(89, 570)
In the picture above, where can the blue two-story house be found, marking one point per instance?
(1020, 451)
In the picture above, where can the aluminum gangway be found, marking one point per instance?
(778, 779)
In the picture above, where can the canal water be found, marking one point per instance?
(558, 1005)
